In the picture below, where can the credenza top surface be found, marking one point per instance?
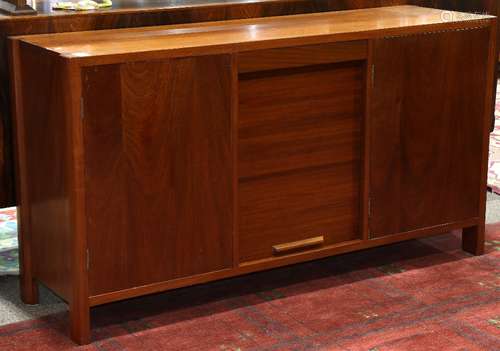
(251, 34)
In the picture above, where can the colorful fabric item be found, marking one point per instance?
(8, 242)
(494, 161)
(83, 5)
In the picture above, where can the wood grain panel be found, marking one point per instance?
(43, 152)
(159, 162)
(299, 205)
(299, 56)
(299, 156)
(427, 130)
(278, 261)
(299, 118)
(106, 47)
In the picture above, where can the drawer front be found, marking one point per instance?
(270, 59)
(306, 117)
(298, 211)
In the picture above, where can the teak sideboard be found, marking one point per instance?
(156, 158)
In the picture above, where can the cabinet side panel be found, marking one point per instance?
(44, 210)
(428, 111)
(159, 170)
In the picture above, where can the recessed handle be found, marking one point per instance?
(297, 245)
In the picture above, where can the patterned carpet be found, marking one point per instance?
(494, 161)
(418, 295)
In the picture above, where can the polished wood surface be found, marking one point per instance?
(296, 206)
(43, 154)
(130, 13)
(29, 289)
(250, 34)
(313, 253)
(198, 161)
(52, 231)
(419, 154)
(167, 142)
(75, 148)
(298, 151)
(301, 56)
(299, 119)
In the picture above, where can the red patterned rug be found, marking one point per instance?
(418, 295)
(494, 161)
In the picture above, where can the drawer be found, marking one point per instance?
(298, 211)
(301, 118)
(270, 59)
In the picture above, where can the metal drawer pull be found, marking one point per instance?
(296, 245)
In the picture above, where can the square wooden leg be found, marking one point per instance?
(28, 285)
(29, 289)
(79, 313)
(473, 239)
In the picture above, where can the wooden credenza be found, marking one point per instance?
(161, 157)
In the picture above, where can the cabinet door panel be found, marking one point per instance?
(427, 122)
(159, 172)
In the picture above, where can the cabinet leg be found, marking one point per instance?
(79, 313)
(29, 289)
(473, 239)
(28, 284)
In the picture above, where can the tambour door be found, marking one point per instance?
(427, 129)
(299, 148)
(158, 170)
